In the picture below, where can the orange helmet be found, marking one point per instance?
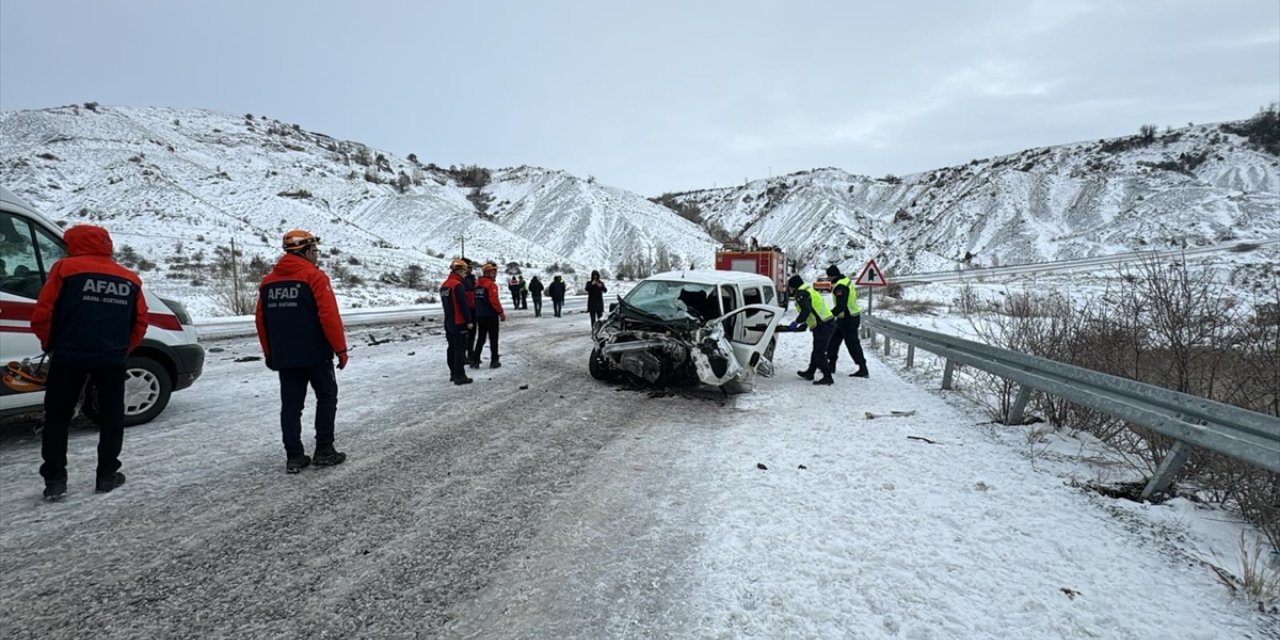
(489, 266)
(298, 240)
(459, 263)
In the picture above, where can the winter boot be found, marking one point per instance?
(327, 456)
(463, 380)
(494, 363)
(861, 372)
(107, 483)
(826, 379)
(807, 374)
(296, 464)
(55, 491)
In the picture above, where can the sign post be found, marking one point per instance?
(870, 276)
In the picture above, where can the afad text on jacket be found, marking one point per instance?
(297, 315)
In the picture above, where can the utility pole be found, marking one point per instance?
(237, 303)
(462, 238)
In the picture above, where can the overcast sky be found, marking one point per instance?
(660, 95)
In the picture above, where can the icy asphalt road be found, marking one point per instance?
(211, 539)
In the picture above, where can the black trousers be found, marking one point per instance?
(473, 338)
(486, 329)
(595, 316)
(537, 305)
(556, 306)
(61, 396)
(293, 397)
(846, 333)
(821, 339)
(457, 353)
(515, 297)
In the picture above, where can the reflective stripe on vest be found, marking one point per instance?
(854, 309)
(820, 309)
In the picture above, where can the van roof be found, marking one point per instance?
(11, 202)
(714, 277)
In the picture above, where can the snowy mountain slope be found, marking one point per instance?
(1194, 186)
(178, 185)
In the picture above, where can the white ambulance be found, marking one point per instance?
(167, 360)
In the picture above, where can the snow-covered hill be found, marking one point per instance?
(1187, 187)
(177, 186)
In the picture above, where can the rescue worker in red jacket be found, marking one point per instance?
(458, 320)
(301, 331)
(489, 313)
(89, 316)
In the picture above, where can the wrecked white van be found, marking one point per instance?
(690, 327)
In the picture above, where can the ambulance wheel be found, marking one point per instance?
(147, 388)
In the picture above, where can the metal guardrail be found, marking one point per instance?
(1245, 435)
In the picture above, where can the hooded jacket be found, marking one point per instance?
(556, 289)
(297, 315)
(91, 311)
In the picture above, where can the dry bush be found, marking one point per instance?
(1168, 326)
(916, 307)
(1255, 582)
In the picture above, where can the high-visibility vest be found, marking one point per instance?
(820, 310)
(854, 309)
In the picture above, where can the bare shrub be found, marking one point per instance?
(1166, 325)
(916, 307)
(239, 300)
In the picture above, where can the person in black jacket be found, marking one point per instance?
(556, 291)
(595, 297)
(88, 317)
(535, 289)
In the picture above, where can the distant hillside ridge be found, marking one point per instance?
(177, 186)
(1191, 186)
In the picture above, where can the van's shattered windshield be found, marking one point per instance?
(673, 301)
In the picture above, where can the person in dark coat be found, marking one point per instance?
(488, 314)
(535, 289)
(848, 320)
(458, 321)
(514, 286)
(473, 341)
(595, 297)
(89, 315)
(524, 293)
(556, 291)
(301, 331)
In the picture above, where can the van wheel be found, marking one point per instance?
(147, 388)
(599, 370)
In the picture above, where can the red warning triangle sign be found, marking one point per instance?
(870, 276)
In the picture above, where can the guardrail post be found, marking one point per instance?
(887, 343)
(1019, 404)
(1169, 468)
(946, 374)
(911, 355)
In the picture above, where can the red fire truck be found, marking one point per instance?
(770, 262)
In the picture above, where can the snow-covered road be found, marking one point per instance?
(575, 509)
